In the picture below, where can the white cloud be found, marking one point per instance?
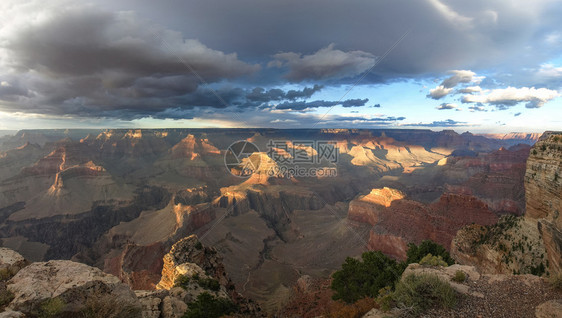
(456, 77)
(511, 96)
(283, 121)
(439, 92)
(470, 89)
(549, 71)
(461, 76)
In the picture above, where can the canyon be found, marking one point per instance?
(120, 199)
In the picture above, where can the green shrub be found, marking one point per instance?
(459, 277)
(537, 270)
(198, 245)
(358, 279)
(418, 293)
(433, 260)
(384, 300)
(6, 297)
(416, 253)
(7, 272)
(51, 307)
(208, 306)
(209, 283)
(182, 281)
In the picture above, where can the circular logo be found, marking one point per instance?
(241, 158)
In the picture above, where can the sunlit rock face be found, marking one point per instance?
(397, 220)
(543, 192)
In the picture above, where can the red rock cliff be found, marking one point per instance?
(397, 221)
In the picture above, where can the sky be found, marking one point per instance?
(481, 66)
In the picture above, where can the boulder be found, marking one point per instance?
(76, 287)
(173, 307)
(10, 262)
(10, 258)
(151, 302)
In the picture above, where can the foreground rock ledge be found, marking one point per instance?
(73, 283)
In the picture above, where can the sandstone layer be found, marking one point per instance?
(543, 188)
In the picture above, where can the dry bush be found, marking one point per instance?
(340, 309)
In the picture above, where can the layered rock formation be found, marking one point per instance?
(496, 177)
(543, 188)
(274, 203)
(533, 243)
(397, 220)
(516, 137)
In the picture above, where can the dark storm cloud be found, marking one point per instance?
(321, 103)
(79, 41)
(354, 102)
(80, 60)
(126, 58)
(445, 34)
(260, 94)
(307, 92)
(326, 63)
